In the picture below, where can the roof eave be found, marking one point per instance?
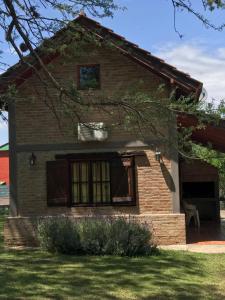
(183, 80)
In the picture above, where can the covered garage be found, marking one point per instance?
(199, 185)
(199, 181)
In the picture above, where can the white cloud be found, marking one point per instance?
(3, 125)
(206, 67)
(3, 134)
(221, 53)
(3, 131)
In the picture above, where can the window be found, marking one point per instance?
(102, 181)
(123, 185)
(91, 180)
(89, 77)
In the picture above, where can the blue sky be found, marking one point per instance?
(149, 23)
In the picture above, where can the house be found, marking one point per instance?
(4, 174)
(92, 172)
(4, 164)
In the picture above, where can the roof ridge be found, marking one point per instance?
(140, 49)
(141, 56)
(147, 53)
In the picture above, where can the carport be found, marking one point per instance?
(199, 183)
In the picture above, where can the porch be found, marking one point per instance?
(209, 233)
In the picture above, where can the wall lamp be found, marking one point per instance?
(32, 159)
(158, 155)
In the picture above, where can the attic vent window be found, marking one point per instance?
(89, 77)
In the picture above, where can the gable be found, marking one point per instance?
(118, 74)
(20, 72)
(145, 58)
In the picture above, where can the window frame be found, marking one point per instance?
(100, 157)
(98, 87)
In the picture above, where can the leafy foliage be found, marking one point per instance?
(213, 4)
(206, 113)
(190, 7)
(59, 235)
(214, 158)
(27, 27)
(100, 236)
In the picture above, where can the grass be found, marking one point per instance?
(169, 275)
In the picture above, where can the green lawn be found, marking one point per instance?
(169, 275)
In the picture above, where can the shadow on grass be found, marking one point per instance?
(169, 275)
(40, 275)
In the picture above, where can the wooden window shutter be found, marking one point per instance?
(58, 183)
(123, 179)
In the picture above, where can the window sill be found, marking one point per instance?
(105, 204)
(88, 89)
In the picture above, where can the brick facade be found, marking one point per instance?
(153, 196)
(37, 131)
(119, 76)
(166, 228)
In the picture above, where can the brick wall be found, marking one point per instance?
(153, 193)
(36, 124)
(38, 131)
(167, 229)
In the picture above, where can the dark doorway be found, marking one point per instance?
(203, 196)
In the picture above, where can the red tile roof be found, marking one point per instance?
(213, 133)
